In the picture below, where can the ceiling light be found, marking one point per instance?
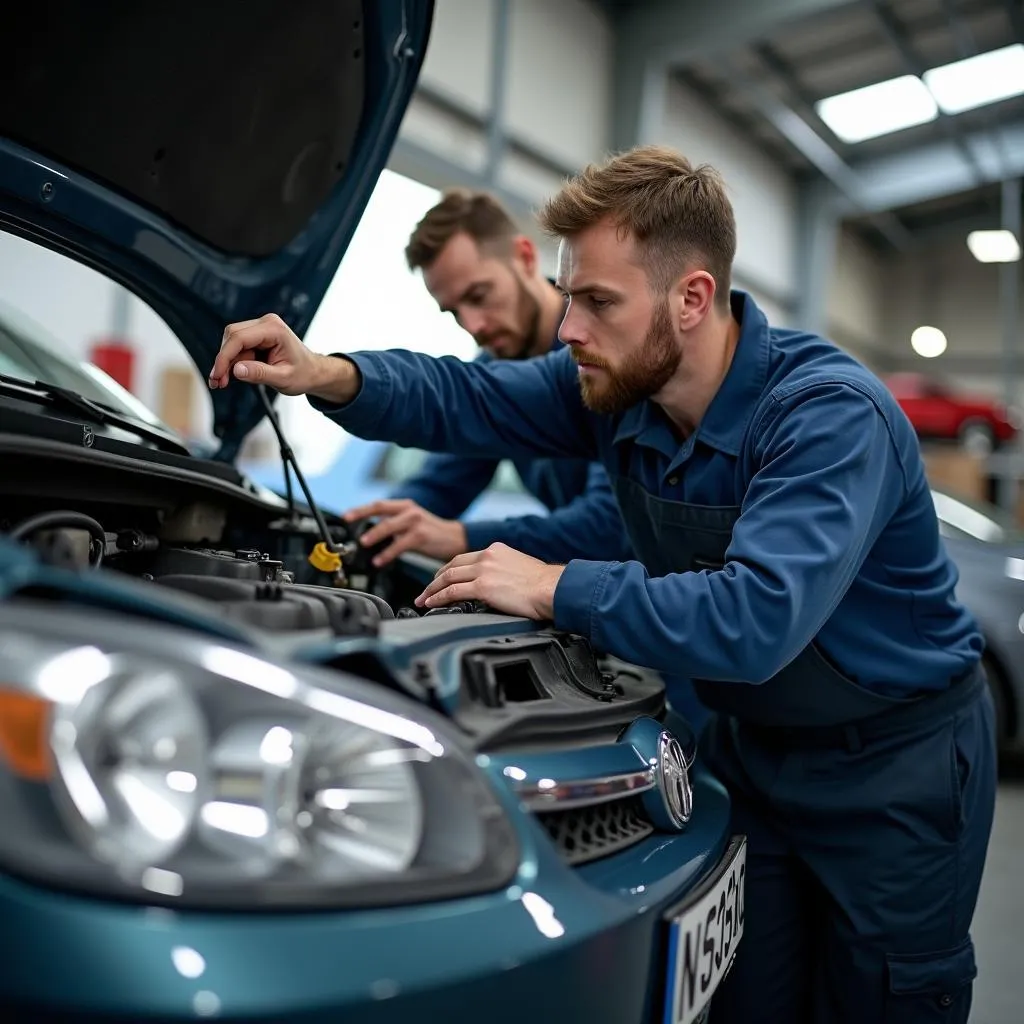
(999, 246)
(878, 109)
(977, 81)
(928, 342)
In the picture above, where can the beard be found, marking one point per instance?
(643, 375)
(522, 339)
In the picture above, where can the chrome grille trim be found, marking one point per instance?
(555, 795)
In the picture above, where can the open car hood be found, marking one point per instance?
(214, 158)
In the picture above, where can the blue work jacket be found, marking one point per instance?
(837, 540)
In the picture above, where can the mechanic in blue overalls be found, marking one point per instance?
(788, 558)
(479, 267)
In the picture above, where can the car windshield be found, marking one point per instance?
(977, 520)
(29, 353)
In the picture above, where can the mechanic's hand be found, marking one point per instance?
(410, 528)
(506, 580)
(267, 351)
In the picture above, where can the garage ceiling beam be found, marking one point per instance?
(674, 33)
(915, 65)
(852, 186)
(415, 160)
(457, 109)
(936, 169)
(653, 37)
(657, 36)
(800, 99)
(968, 47)
(953, 230)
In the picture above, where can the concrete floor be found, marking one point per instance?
(999, 921)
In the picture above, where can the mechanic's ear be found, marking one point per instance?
(694, 296)
(524, 252)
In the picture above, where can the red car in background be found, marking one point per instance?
(938, 412)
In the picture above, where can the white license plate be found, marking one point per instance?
(703, 935)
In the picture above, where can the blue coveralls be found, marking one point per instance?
(789, 560)
(584, 520)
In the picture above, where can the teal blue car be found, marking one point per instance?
(241, 777)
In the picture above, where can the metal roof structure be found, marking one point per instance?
(763, 65)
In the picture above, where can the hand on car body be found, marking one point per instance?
(505, 580)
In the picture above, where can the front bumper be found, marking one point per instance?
(559, 944)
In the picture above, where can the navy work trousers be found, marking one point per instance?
(863, 869)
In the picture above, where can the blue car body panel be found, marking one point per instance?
(597, 955)
(559, 943)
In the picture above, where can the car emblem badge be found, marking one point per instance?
(674, 780)
(88, 437)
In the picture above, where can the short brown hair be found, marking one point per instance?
(678, 214)
(477, 214)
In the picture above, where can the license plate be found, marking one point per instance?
(703, 935)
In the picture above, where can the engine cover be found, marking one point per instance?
(238, 565)
(256, 591)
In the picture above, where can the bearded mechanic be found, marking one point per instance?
(480, 268)
(788, 558)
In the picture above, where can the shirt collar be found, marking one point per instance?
(727, 418)
(725, 422)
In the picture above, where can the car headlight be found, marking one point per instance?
(159, 765)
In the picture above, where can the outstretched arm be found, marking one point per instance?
(481, 410)
(422, 513)
(447, 485)
(590, 526)
(494, 410)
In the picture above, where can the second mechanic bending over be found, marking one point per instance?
(480, 268)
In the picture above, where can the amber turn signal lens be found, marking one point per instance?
(24, 735)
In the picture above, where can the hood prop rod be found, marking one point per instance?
(291, 462)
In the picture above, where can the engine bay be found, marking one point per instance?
(272, 588)
(201, 529)
(193, 544)
(505, 681)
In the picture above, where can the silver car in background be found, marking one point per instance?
(987, 546)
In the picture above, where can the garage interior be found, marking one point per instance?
(876, 232)
(899, 238)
